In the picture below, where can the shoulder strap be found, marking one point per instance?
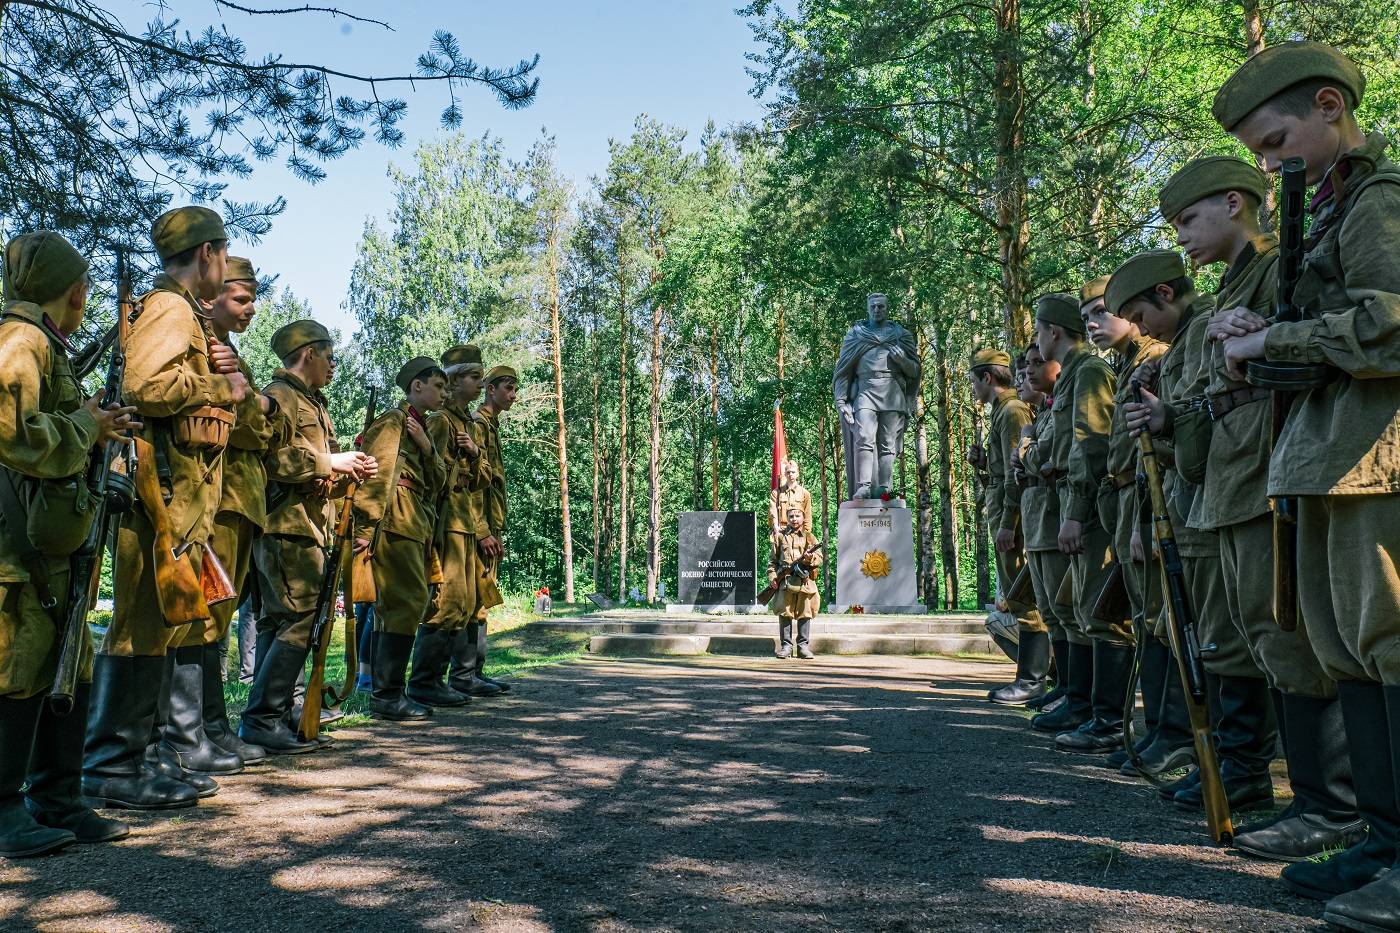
(13, 516)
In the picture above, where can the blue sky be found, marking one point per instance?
(601, 64)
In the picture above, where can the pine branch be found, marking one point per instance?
(303, 9)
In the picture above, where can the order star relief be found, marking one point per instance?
(875, 564)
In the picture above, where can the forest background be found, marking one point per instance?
(962, 158)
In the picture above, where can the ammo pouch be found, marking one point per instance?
(58, 514)
(205, 428)
(1191, 437)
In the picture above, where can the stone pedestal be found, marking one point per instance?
(875, 563)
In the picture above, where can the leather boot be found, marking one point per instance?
(1077, 708)
(430, 659)
(1245, 736)
(264, 722)
(1323, 814)
(1059, 649)
(1150, 671)
(1173, 746)
(1113, 666)
(1011, 649)
(804, 639)
(1377, 905)
(216, 724)
(387, 701)
(784, 637)
(162, 758)
(116, 773)
(21, 836)
(482, 647)
(463, 677)
(183, 735)
(1373, 776)
(1032, 666)
(1187, 781)
(262, 643)
(54, 797)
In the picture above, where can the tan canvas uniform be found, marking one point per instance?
(798, 602)
(1003, 500)
(789, 497)
(456, 603)
(1040, 523)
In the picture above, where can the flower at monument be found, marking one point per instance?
(875, 564)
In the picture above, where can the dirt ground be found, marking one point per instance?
(710, 794)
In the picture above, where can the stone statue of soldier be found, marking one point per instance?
(876, 385)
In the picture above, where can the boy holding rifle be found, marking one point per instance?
(395, 514)
(1339, 452)
(47, 434)
(306, 472)
(185, 384)
(795, 553)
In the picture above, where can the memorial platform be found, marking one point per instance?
(638, 633)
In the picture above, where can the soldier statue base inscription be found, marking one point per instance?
(875, 563)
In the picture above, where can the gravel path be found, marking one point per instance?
(711, 794)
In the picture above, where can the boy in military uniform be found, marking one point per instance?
(1338, 452)
(196, 729)
(306, 473)
(185, 384)
(790, 492)
(800, 601)
(395, 515)
(47, 433)
(989, 372)
(454, 430)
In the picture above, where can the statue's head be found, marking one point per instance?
(878, 307)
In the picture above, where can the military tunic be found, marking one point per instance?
(396, 511)
(167, 377)
(786, 497)
(455, 604)
(795, 602)
(1003, 500)
(493, 495)
(1040, 522)
(45, 438)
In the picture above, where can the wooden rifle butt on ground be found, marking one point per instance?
(1112, 604)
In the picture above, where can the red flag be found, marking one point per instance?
(779, 444)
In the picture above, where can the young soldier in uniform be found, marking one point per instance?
(1153, 287)
(1338, 452)
(1214, 205)
(789, 493)
(1040, 520)
(1101, 661)
(800, 601)
(306, 473)
(990, 375)
(196, 730)
(453, 431)
(47, 433)
(502, 382)
(395, 514)
(185, 384)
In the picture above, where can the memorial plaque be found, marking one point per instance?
(875, 557)
(717, 559)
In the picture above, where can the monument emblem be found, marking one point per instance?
(716, 530)
(875, 564)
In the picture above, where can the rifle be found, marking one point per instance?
(1112, 605)
(318, 695)
(113, 494)
(1286, 380)
(792, 569)
(1181, 633)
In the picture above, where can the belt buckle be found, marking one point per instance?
(1209, 405)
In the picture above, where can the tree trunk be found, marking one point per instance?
(1013, 225)
(838, 470)
(947, 526)
(1254, 44)
(714, 421)
(826, 513)
(658, 314)
(597, 472)
(781, 362)
(624, 462)
(981, 555)
(566, 533)
(928, 570)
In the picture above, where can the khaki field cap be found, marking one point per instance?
(1060, 308)
(1092, 290)
(292, 337)
(501, 372)
(462, 358)
(176, 231)
(412, 370)
(1278, 68)
(240, 270)
(41, 266)
(1201, 178)
(1145, 270)
(988, 356)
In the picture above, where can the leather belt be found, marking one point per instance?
(410, 484)
(1123, 480)
(1223, 403)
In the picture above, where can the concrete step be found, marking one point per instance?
(764, 626)
(636, 645)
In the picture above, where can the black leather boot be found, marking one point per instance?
(804, 639)
(482, 648)
(262, 643)
(158, 755)
(264, 722)
(1032, 667)
(387, 701)
(784, 638)
(1077, 708)
(1377, 905)
(21, 836)
(1113, 666)
(430, 659)
(216, 724)
(55, 793)
(1059, 649)
(1150, 672)
(1373, 776)
(1172, 746)
(1187, 781)
(1323, 815)
(183, 735)
(463, 677)
(116, 773)
(1245, 737)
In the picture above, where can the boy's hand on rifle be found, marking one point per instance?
(1234, 322)
(1149, 413)
(466, 444)
(418, 435)
(354, 463)
(114, 423)
(1240, 349)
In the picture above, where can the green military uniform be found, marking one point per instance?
(1003, 500)
(1040, 525)
(796, 603)
(789, 497)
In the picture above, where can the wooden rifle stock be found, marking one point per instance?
(1181, 633)
(1112, 604)
(178, 588)
(214, 580)
(771, 591)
